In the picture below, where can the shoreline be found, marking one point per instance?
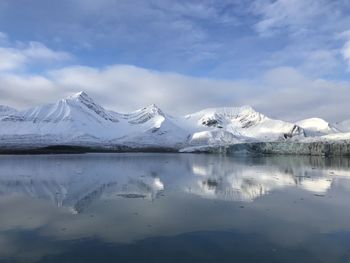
(256, 148)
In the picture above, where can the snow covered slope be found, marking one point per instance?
(316, 127)
(232, 125)
(343, 126)
(150, 126)
(70, 118)
(78, 120)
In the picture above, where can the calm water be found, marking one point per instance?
(174, 208)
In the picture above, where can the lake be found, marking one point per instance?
(150, 207)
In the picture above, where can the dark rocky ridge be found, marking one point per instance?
(284, 148)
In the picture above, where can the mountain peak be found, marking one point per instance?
(226, 112)
(83, 98)
(81, 95)
(316, 126)
(144, 114)
(153, 108)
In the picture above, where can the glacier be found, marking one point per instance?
(79, 123)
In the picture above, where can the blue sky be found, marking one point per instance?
(287, 58)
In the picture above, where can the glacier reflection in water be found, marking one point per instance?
(75, 181)
(123, 198)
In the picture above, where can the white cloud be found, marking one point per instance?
(293, 15)
(11, 58)
(309, 34)
(18, 55)
(292, 95)
(3, 38)
(346, 52)
(321, 61)
(27, 90)
(39, 51)
(125, 87)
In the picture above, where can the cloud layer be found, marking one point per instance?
(281, 92)
(18, 55)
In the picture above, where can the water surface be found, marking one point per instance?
(174, 208)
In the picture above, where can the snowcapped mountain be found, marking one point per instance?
(79, 121)
(151, 112)
(317, 127)
(232, 125)
(150, 126)
(77, 117)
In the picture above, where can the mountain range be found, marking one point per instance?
(80, 122)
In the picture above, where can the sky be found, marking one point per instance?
(289, 59)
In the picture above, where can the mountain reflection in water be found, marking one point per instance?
(49, 201)
(75, 181)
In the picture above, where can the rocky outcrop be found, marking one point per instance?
(300, 148)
